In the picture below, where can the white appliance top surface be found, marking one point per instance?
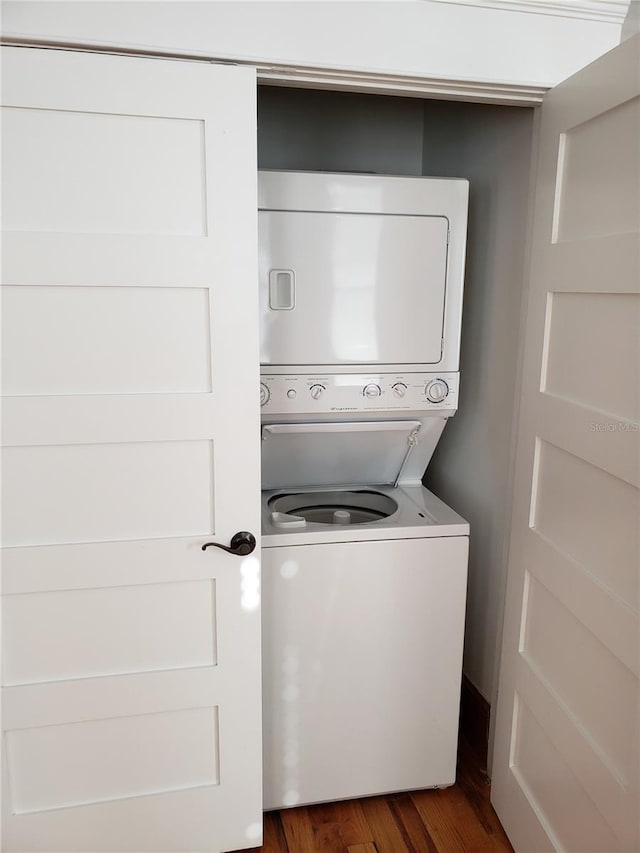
(419, 514)
(416, 195)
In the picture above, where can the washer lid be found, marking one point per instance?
(334, 454)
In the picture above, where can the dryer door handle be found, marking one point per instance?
(242, 543)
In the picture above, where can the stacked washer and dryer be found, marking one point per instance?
(364, 570)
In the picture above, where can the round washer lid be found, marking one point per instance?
(334, 454)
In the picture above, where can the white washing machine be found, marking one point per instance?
(364, 570)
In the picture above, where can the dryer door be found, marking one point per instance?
(351, 288)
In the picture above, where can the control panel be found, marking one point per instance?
(304, 395)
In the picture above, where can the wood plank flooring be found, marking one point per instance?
(459, 819)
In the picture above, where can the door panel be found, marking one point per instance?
(131, 658)
(47, 151)
(565, 770)
(74, 327)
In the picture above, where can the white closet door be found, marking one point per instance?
(565, 770)
(131, 658)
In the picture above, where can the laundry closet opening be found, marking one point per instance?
(491, 146)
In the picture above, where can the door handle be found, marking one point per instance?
(242, 543)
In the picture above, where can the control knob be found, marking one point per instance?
(399, 389)
(437, 390)
(316, 391)
(265, 394)
(371, 391)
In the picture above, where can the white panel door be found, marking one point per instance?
(131, 657)
(565, 770)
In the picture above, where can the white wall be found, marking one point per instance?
(471, 468)
(432, 39)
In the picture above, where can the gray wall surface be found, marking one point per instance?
(472, 466)
(338, 132)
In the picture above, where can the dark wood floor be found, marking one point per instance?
(459, 819)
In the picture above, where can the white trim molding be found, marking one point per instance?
(604, 11)
(476, 51)
(396, 84)
(345, 80)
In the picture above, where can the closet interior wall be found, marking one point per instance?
(491, 146)
(472, 466)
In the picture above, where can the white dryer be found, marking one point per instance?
(364, 570)
(360, 272)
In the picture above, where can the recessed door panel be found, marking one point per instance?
(114, 759)
(151, 627)
(156, 163)
(61, 494)
(105, 340)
